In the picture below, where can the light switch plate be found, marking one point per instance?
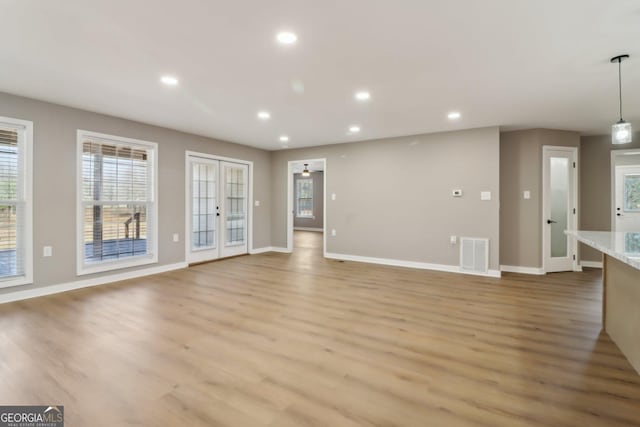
(176, 237)
(526, 194)
(333, 232)
(453, 240)
(456, 193)
(333, 196)
(257, 203)
(485, 195)
(47, 251)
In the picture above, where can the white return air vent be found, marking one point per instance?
(474, 255)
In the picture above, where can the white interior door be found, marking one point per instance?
(627, 198)
(216, 209)
(559, 207)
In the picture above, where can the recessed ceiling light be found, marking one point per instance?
(264, 115)
(284, 138)
(287, 37)
(454, 115)
(354, 129)
(363, 95)
(169, 80)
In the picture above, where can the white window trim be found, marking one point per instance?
(27, 177)
(134, 261)
(298, 199)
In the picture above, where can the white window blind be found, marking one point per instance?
(304, 198)
(117, 199)
(15, 200)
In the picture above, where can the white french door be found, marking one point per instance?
(559, 186)
(217, 209)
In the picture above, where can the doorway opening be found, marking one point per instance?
(218, 220)
(306, 200)
(625, 190)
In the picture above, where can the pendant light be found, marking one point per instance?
(306, 172)
(621, 131)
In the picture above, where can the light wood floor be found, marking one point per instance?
(296, 340)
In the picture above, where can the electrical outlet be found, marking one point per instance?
(47, 251)
(333, 232)
(257, 203)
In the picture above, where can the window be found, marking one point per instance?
(16, 144)
(304, 198)
(117, 210)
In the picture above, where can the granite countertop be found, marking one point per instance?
(622, 246)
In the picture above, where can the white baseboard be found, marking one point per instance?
(261, 250)
(269, 249)
(279, 249)
(591, 264)
(21, 294)
(522, 270)
(308, 229)
(409, 264)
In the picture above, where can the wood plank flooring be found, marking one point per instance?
(297, 340)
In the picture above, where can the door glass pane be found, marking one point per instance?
(204, 203)
(559, 180)
(235, 211)
(632, 193)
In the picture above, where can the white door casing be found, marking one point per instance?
(291, 206)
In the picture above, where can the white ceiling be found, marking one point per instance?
(513, 63)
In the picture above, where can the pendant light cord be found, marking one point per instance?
(620, 84)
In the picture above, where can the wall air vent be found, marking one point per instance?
(474, 255)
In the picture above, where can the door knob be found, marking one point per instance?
(619, 214)
(550, 221)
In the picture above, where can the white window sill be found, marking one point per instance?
(305, 217)
(99, 267)
(15, 281)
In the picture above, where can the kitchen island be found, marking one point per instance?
(620, 287)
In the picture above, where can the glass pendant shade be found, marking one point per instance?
(621, 133)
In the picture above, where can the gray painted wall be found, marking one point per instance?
(318, 202)
(393, 196)
(595, 182)
(520, 170)
(54, 182)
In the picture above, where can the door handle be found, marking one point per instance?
(550, 221)
(619, 214)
